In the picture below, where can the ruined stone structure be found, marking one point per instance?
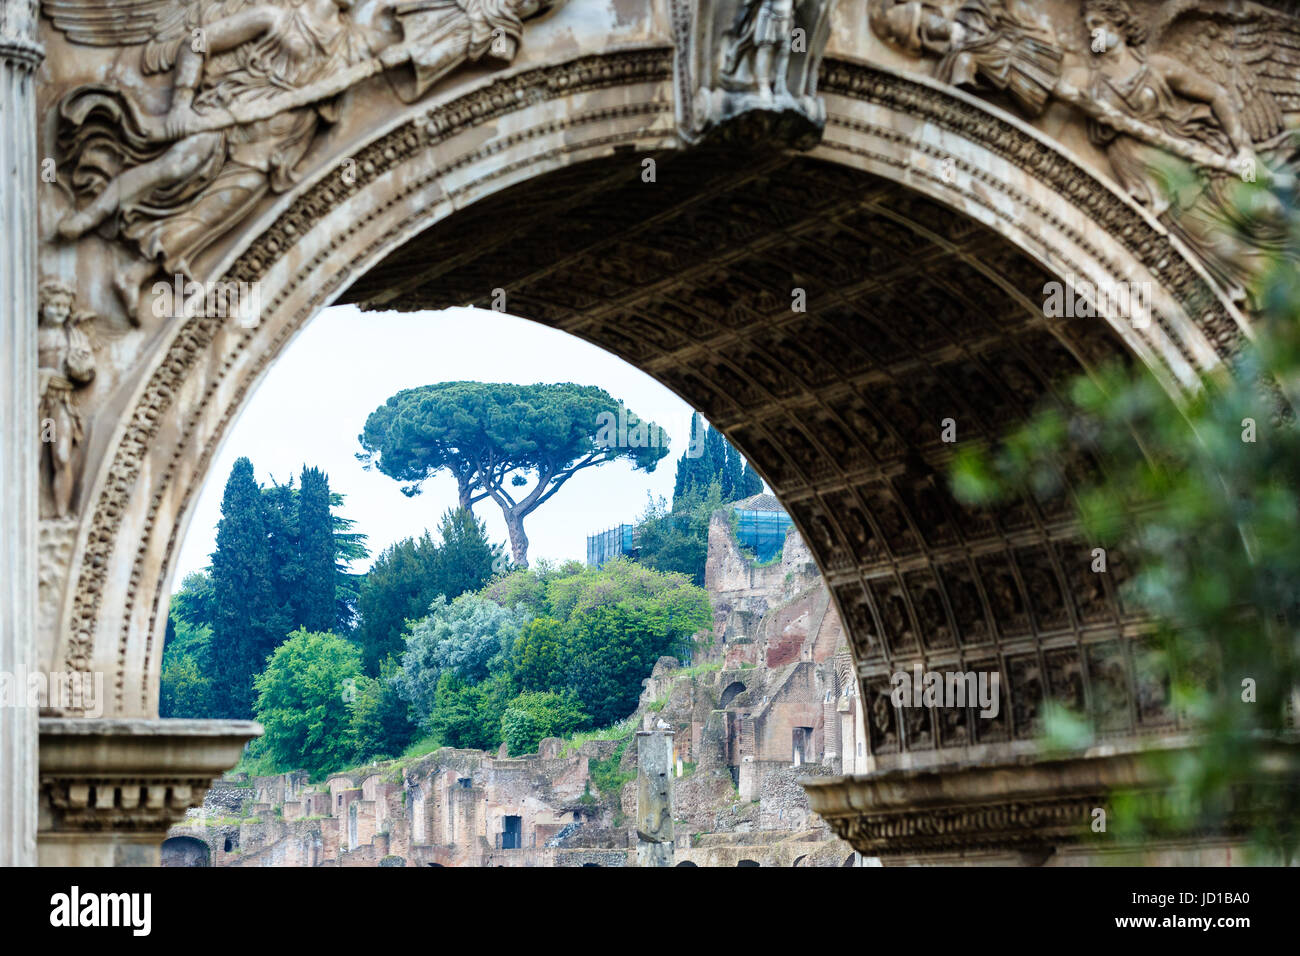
(828, 249)
(711, 780)
(789, 689)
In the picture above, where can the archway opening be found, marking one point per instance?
(834, 327)
(730, 693)
(185, 851)
(846, 334)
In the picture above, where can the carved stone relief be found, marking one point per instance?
(249, 86)
(1211, 85)
(66, 357)
(750, 69)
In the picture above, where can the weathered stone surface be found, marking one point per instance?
(109, 789)
(939, 195)
(20, 54)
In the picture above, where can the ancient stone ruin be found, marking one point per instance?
(707, 770)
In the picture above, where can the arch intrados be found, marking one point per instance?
(856, 139)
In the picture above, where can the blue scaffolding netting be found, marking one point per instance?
(622, 539)
(762, 532)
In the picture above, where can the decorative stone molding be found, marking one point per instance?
(1031, 805)
(1166, 260)
(109, 789)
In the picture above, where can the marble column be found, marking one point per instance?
(20, 54)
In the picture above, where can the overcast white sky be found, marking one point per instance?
(313, 402)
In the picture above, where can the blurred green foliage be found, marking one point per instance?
(1201, 497)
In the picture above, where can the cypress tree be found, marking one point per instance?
(246, 624)
(733, 474)
(315, 609)
(683, 475)
(717, 461)
(714, 461)
(280, 516)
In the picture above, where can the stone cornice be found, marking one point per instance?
(132, 775)
(1011, 804)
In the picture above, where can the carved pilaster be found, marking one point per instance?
(109, 789)
(19, 56)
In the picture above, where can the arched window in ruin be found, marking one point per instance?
(732, 691)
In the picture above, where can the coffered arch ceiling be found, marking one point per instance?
(914, 315)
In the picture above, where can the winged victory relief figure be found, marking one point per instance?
(1209, 86)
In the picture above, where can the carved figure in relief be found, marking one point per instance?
(252, 83)
(761, 34)
(66, 363)
(171, 186)
(1213, 84)
(981, 45)
(1205, 76)
(753, 66)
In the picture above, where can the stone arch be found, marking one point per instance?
(730, 693)
(185, 851)
(819, 401)
(748, 863)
